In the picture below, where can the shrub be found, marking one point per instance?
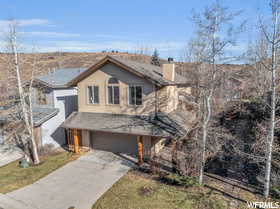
(275, 192)
(178, 180)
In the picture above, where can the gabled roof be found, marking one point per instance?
(150, 72)
(60, 77)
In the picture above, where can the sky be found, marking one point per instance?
(127, 26)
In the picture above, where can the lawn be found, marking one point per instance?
(137, 192)
(12, 177)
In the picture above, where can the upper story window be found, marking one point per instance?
(135, 95)
(93, 94)
(41, 97)
(113, 91)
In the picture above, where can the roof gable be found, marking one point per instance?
(148, 72)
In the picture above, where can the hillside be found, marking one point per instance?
(49, 61)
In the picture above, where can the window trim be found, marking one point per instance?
(107, 91)
(87, 95)
(128, 95)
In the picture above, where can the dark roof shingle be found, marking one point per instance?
(160, 126)
(43, 114)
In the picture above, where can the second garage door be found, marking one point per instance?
(112, 142)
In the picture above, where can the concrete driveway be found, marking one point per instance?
(79, 183)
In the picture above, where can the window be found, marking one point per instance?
(135, 95)
(93, 94)
(113, 91)
(41, 97)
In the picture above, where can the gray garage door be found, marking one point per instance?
(118, 143)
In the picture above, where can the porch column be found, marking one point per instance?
(76, 141)
(140, 150)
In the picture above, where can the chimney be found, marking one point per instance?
(168, 71)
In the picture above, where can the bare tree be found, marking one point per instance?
(271, 33)
(256, 54)
(214, 34)
(25, 94)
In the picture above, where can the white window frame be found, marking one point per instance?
(113, 96)
(88, 97)
(128, 94)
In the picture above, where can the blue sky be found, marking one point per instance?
(88, 25)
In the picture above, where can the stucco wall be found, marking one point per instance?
(100, 78)
(51, 133)
(167, 97)
(158, 144)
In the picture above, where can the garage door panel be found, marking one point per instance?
(118, 143)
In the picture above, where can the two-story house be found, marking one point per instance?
(128, 107)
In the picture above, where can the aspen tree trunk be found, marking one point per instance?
(270, 137)
(207, 103)
(206, 119)
(27, 120)
(273, 68)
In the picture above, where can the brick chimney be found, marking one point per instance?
(168, 71)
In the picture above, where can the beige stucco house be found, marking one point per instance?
(128, 107)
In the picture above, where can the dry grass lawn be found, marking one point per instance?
(134, 191)
(12, 177)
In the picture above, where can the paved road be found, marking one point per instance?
(79, 183)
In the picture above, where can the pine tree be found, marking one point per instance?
(155, 58)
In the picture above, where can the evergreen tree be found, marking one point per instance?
(155, 58)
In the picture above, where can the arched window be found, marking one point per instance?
(113, 91)
(113, 81)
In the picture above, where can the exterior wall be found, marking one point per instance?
(49, 97)
(51, 133)
(147, 146)
(37, 136)
(167, 97)
(158, 144)
(125, 78)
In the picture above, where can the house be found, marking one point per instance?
(128, 107)
(53, 102)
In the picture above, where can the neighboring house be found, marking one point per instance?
(232, 89)
(53, 101)
(128, 107)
